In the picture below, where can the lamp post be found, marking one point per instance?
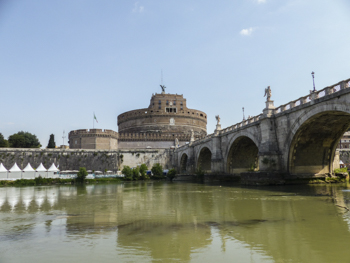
(243, 114)
(313, 79)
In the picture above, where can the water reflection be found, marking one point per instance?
(178, 222)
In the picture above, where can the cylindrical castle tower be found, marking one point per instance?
(166, 114)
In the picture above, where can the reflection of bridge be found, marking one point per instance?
(297, 138)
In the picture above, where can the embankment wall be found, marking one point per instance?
(72, 159)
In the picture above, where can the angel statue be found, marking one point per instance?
(217, 117)
(268, 93)
(163, 88)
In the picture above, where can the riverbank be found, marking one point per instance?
(56, 181)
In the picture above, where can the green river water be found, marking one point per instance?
(175, 222)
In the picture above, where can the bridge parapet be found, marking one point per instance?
(345, 84)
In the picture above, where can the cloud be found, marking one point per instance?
(261, 1)
(138, 8)
(247, 31)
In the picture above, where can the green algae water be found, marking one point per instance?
(175, 222)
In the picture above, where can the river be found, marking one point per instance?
(175, 222)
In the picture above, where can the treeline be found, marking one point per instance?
(23, 139)
(140, 172)
(20, 140)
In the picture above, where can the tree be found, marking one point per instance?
(143, 171)
(127, 173)
(52, 143)
(3, 142)
(171, 174)
(136, 173)
(24, 140)
(81, 174)
(157, 171)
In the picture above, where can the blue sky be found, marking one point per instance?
(62, 60)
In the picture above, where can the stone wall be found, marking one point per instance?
(68, 159)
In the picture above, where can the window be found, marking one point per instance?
(159, 107)
(170, 110)
(201, 115)
(167, 102)
(174, 102)
(182, 108)
(181, 103)
(160, 102)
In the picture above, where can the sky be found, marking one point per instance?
(62, 60)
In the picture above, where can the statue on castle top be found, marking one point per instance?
(268, 93)
(163, 88)
(217, 117)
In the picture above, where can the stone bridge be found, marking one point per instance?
(298, 138)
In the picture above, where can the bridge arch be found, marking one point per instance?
(242, 154)
(313, 139)
(204, 159)
(183, 163)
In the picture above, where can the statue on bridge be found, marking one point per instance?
(217, 117)
(268, 93)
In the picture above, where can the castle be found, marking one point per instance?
(166, 123)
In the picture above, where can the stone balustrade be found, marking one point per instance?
(314, 95)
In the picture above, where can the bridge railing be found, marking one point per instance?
(241, 124)
(345, 84)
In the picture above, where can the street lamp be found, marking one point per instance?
(313, 79)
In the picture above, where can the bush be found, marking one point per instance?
(171, 174)
(127, 171)
(136, 173)
(157, 171)
(81, 174)
(341, 170)
(143, 171)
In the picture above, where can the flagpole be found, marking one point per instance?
(93, 121)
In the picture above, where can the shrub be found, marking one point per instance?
(171, 174)
(341, 170)
(127, 171)
(143, 171)
(157, 171)
(81, 174)
(136, 173)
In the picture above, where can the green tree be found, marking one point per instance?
(127, 171)
(81, 175)
(143, 171)
(157, 171)
(136, 173)
(24, 140)
(52, 143)
(171, 174)
(3, 142)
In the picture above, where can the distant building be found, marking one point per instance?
(344, 142)
(167, 122)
